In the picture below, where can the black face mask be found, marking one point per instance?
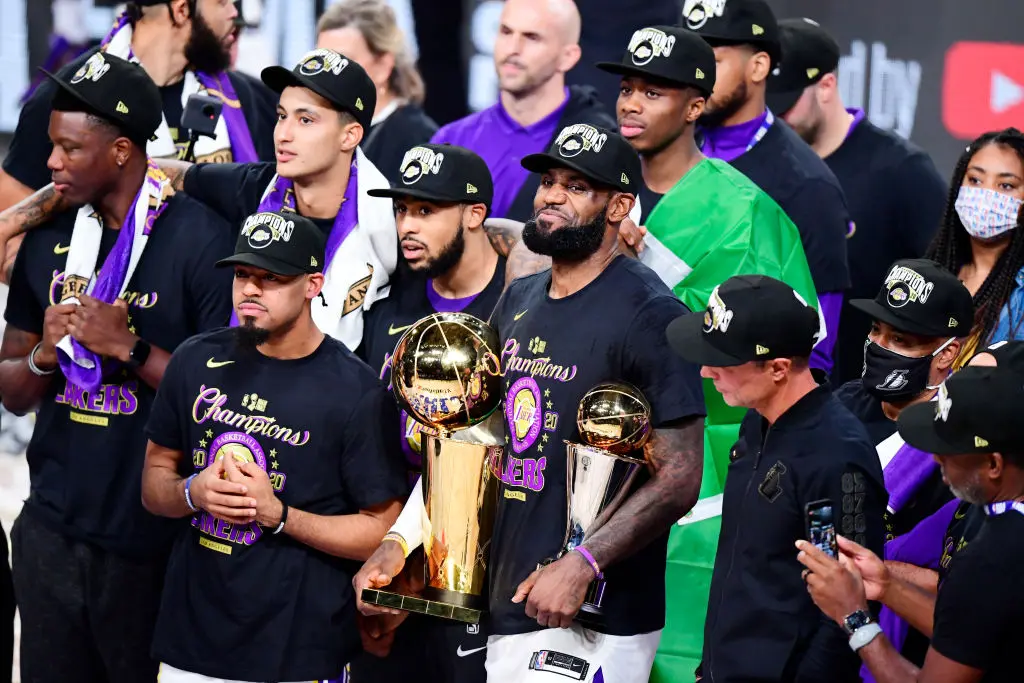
(894, 378)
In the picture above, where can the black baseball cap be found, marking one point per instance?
(443, 173)
(734, 22)
(809, 53)
(977, 410)
(332, 76)
(601, 155)
(748, 318)
(668, 54)
(283, 243)
(1008, 354)
(115, 90)
(921, 297)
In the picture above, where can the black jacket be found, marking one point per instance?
(761, 623)
(583, 107)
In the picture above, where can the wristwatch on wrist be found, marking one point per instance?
(852, 622)
(139, 354)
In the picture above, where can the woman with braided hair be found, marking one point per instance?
(979, 239)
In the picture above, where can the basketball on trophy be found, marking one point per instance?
(614, 417)
(445, 371)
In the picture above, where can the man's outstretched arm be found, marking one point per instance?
(29, 213)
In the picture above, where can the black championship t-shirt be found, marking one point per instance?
(239, 602)
(896, 198)
(798, 180)
(86, 453)
(30, 147)
(553, 352)
(411, 299)
(967, 521)
(977, 613)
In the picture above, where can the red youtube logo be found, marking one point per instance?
(982, 88)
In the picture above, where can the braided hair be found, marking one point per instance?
(952, 244)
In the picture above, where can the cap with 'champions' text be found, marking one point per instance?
(600, 155)
(281, 242)
(442, 173)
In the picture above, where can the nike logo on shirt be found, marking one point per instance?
(218, 364)
(58, 250)
(392, 330)
(465, 653)
(517, 316)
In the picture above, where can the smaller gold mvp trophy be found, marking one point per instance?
(614, 421)
(446, 374)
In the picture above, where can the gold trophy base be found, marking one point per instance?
(433, 602)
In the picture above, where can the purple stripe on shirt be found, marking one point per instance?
(858, 116)
(921, 547)
(831, 303)
(729, 142)
(502, 143)
(445, 305)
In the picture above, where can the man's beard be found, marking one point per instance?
(204, 50)
(721, 112)
(810, 131)
(449, 257)
(572, 243)
(248, 336)
(972, 491)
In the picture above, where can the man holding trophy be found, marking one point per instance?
(581, 525)
(596, 318)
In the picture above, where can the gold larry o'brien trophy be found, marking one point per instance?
(446, 375)
(614, 421)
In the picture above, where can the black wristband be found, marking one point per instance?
(284, 518)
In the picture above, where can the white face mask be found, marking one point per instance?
(987, 214)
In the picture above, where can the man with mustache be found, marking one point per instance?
(259, 580)
(447, 265)
(618, 309)
(537, 43)
(184, 46)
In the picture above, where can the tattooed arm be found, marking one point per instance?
(676, 456)
(506, 238)
(175, 170)
(29, 213)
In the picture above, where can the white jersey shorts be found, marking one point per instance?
(576, 653)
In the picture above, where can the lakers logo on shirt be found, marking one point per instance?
(648, 43)
(522, 409)
(239, 446)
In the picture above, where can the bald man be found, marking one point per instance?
(537, 43)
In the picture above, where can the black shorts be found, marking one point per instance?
(427, 650)
(86, 615)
